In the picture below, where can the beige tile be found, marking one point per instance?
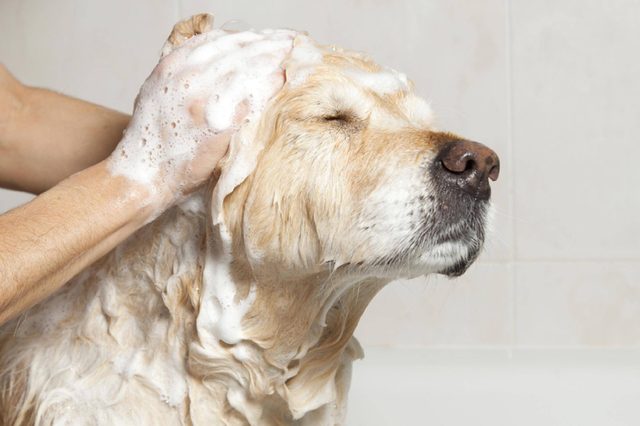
(474, 309)
(576, 127)
(100, 51)
(455, 51)
(11, 199)
(578, 304)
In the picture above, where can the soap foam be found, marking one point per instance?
(384, 82)
(220, 314)
(224, 69)
(303, 60)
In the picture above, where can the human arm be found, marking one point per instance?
(47, 241)
(46, 136)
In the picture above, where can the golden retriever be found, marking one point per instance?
(239, 305)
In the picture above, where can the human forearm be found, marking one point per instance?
(47, 136)
(47, 241)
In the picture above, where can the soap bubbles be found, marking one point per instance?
(199, 94)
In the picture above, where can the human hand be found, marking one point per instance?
(192, 103)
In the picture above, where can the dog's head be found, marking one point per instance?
(352, 173)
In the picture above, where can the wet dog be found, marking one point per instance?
(239, 305)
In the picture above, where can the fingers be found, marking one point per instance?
(227, 68)
(208, 154)
(257, 60)
(239, 67)
(243, 109)
(200, 93)
(221, 45)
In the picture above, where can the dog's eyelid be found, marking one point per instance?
(338, 116)
(341, 115)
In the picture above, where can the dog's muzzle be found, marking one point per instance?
(461, 172)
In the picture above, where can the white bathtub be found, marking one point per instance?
(452, 387)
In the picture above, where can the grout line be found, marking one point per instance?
(512, 193)
(594, 260)
(500, 347)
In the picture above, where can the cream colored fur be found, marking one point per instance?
(239, 306)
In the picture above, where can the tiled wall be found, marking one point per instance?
(552, 85)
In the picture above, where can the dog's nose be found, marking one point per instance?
(469, 166)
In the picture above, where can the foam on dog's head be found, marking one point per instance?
(245, 146)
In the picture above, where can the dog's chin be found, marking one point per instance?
(451, 253)
(447, 247)
(450, 258)
(458, 268)
(462, 236)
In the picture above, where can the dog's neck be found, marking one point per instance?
(272, 347)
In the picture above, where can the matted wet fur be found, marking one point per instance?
(243, 312)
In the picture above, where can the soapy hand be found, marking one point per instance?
(192, 103)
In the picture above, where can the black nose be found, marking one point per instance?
(468, 166)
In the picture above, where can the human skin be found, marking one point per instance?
(45, 136)
(73, 223)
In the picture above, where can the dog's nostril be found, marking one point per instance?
(459, 162)
(494, 172)
(469, 165)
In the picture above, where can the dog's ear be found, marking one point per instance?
(247, 144)
(239, 163)
(184, 30)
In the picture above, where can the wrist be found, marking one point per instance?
(132, 203)
(150, 194)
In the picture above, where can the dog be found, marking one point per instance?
(238, 306)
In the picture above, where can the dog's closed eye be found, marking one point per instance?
(341, 117)
(343, 120)
(338, 116)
